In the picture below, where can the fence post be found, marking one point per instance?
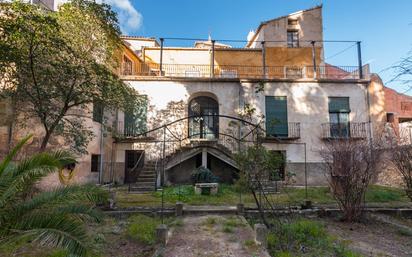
(161, 57)
(314, 59)
(360, 60)
(263, 59)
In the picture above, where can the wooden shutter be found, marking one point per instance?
(276, 116)
(135, 122)
(339, 104)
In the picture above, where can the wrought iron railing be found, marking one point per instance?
(344, 130)
(245, 72)
(290, 130)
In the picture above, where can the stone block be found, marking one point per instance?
(179, 209)
(161, 234)
(261, 233)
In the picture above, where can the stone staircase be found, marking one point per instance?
(146, 180)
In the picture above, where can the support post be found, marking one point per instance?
(161, 57)
(314, 59)
(263, 59)
(212, 61)
(204, 157)
(163, 157)
(360, 60)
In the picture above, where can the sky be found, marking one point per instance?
(384, 27)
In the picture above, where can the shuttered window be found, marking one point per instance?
(135, 121)
(339, 116)
(98, 111)
(339, 104)
(276, 116)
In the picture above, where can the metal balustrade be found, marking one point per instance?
(344, 130)
(244, 72)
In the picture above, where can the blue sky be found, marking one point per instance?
(384, 27)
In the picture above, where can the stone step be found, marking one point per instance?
(151, 180)
(142, 188)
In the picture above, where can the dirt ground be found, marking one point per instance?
(213, 236)
(373, 237)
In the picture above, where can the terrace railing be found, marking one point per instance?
(344, 130)
(245, 72)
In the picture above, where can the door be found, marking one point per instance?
(131, 159)
(204, 120)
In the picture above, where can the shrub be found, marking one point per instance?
(304, 238)
(203, 175)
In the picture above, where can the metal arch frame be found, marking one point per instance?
(256, 126)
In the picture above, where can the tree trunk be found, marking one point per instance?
(45, 141)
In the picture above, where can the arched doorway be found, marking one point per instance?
(203, 125)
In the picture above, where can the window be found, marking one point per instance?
(390, 117)
(279, 172)
(339, 116)
(95, 167)
(292, 22)
(293, 38)
(276, 116)
(127, 66)
(135, 121)
(98, 111)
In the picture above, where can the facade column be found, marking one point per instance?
(204, 157)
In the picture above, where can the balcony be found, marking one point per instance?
(206, 71)
(344, 130)
(289, 131)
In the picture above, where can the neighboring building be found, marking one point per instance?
(194, 97)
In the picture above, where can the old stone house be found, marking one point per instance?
(195, 96)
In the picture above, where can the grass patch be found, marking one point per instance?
(210, 221)
(305, 238)
(143, 228)
(227, 195)
(227, 229)
(405, 232)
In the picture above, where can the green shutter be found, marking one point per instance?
(339, 104)
(135, 122)
(276, 116)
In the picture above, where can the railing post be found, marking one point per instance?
(360, 60)
(314, 59)
(161, 57)
(212, 61)
(263, 59)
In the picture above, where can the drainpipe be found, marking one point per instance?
(212, 61)
(101, 150)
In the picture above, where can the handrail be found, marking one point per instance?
(136, 166)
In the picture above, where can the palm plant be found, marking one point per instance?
(53, 218)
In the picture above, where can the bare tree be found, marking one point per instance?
(351, 165)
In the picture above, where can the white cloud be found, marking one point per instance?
(129, 18)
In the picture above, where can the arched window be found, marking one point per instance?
(203, 121)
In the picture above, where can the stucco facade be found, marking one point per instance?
(176, 80)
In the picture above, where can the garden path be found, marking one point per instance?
(213, 236)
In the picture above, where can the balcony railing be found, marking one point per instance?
(344, 130)
(244, 72)
(291, 130)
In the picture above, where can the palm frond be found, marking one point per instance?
(28, 172)
(52, 230)
(9, 157)
(85, 194)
